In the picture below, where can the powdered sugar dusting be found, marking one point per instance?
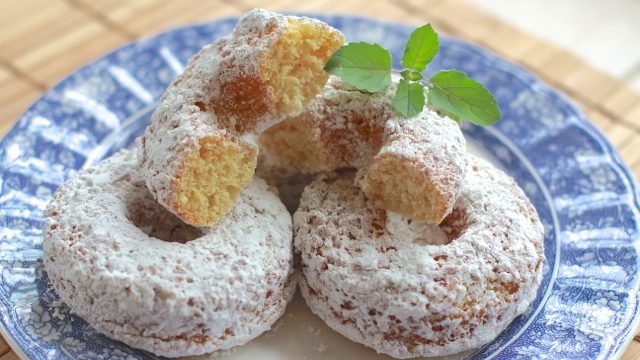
(172, 298)
(222, 93)
(334, 109)
(184, 115)
(347, 127)
(406, 299)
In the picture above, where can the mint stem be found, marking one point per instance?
(423, 79)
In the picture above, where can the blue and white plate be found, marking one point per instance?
(587, 199)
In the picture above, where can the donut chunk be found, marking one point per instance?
(200, 150)
(413, 167)
(411, 289)
(138, 274)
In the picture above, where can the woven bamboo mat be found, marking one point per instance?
(43, 40)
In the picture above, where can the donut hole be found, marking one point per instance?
(291, 188)
(212, 179)
(156, 221)
(456, 223)
(417, 232)
(428, 234)
(295, 68)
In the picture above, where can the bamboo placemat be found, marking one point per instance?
(43, 40)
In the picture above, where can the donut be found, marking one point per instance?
(285, 177)
(413, 166)
(200, 150)
(138, 274)
(409, 289)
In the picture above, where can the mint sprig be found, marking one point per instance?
(455, 93)
(365, 66)
(411, 75)
(420, 49)
(368, 67)
(409, 98)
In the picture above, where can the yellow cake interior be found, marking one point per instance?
(295, 66)
(411, 195)
(214, 176)
(212, 179)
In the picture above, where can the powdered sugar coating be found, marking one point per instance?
(221, 93)
(172, 298)
(430, 131)
(179, 122)
(346, 127)
(372, 283)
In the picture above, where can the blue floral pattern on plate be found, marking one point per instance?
(587, 306)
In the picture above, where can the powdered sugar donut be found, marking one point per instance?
(382, 281)
(200, 150)
(413, 167)
(139, 275)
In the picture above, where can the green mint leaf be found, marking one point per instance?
(362, 65)
(455, 93)
(409, 98)
(411, 75)
(420, 49)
